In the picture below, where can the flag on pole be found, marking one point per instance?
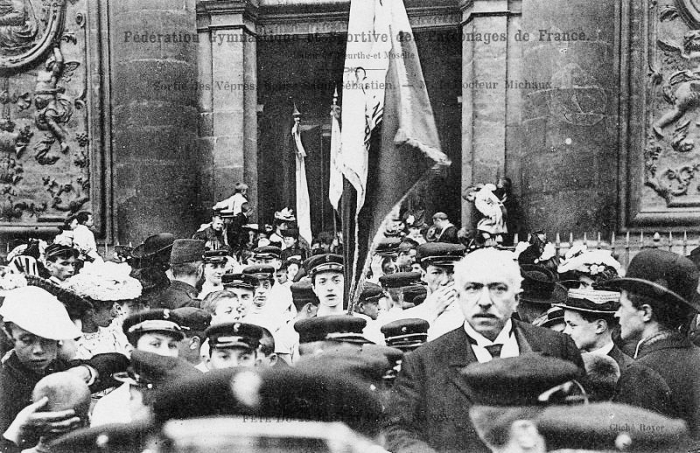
(335, 187)
(389, 139)
(302, 188)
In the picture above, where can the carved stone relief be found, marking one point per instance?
(44, 141)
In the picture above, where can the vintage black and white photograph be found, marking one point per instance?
(349, 226)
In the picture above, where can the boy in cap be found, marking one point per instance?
(328, 282)
(657, 302)
(234, 344)
(61, 262)
(35, 322)
(306, 304)
(590, 320)
(265, 310)
(155, 331)
(331, 332)
(193, 322)
(187, 266)
(215, 262)
(439, 308)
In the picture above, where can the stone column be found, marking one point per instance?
(569, 165)
(228, 143)
(490, 110)
(154, 117)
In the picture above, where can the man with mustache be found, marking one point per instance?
(429, 405)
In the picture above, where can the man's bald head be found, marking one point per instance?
(64, 391)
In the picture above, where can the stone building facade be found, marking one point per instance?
(146, 112)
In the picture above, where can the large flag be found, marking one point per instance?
(389, 139)
(302, 188)
(335, 187)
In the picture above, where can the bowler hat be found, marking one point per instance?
(539, 286)
(154, 244)
(187, 251)
(661, 275)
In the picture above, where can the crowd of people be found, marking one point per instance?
(239, 338)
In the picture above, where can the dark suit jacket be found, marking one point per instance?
(429, 404)
(665, 378)
(179, 294)
(622, 359)
(449, 235)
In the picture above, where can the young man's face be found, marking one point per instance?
(581, 331)
(289, 242)
(262, 290)
(226, 310)
(281, 276)
(62, 268)
(213, 272)
(158, 343)
(370, 309)
(33, 352)
(245, 299)
(436, 276)
(232, 357)
(631, 318)
(329, 287)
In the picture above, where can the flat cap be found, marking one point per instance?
(439, 253)
(388, 246)
(661, 275)
(239, 281)
(592, 301)
(150, 370)
(406, 334)
(155, 320)
(39, 312)
(517, 381)
(340, 328)
(191, 319)
(268, 251)
(187, 251)
(234, 335)
(55, 251)
(303, 293)
(400, 279)
(540, 286)
(415, 294)
(371, 292)
(327, 262)
(216, 256)
(260, 272)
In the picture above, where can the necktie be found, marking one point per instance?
(494, 350)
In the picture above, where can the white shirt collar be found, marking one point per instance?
(482, 341)
(605, 350)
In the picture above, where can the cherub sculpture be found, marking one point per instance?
(687, 95)
(52, 110)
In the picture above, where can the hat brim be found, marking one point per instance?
(558, 296)
(140, 251)
(653, 290)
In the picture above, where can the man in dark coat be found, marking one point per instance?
(429, 406)
(658, 298)
(187, 265)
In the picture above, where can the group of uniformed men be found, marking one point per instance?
(467, 352)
